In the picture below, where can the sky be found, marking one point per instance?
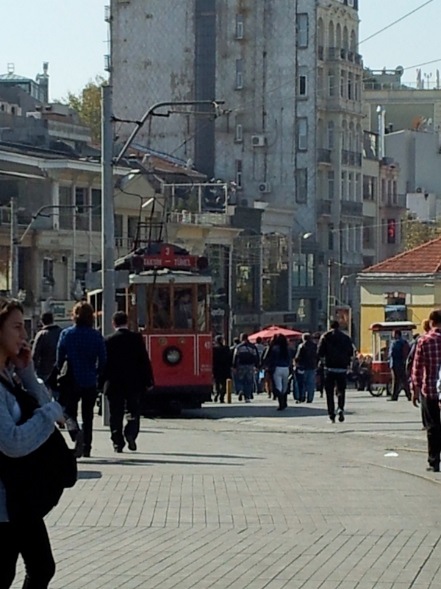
(72, 36)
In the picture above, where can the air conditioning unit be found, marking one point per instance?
(264, 187)
(258, 140)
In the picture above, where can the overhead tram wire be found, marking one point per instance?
(395, 22)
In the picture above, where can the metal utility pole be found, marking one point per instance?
(107, 212)
(14, 249)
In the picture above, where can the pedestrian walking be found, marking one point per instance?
(44, 348)
(306, 362)
(398, 353)
(336, 350)
(426, 386)
(127, 376)
(22, 432)
(82, 348)
(411, 358)
(279, 361)
(245, 364)
(221, 368)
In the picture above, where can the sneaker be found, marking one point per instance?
(131, 444)
(332, 418)
(247, 400)
(433, 468)
(341, 416)
(118, 449)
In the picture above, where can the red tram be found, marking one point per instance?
(167, 299)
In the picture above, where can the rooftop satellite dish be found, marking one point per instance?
(399, 70)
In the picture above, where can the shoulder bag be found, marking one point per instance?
(34, 483)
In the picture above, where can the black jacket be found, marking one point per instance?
(128, 367)
(306, 356)
(336, 348)
(222, 357)
(44, 350)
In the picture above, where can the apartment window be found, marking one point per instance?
(80, 200)
(239, 26)
(66, 214)
(320, 81)
(331, 135)
(358, 188)
(80, 272)
(394, 192)
(331, 185)
(302, 185)
(302, 30)
(132, 227)
(239, 74)
(302, 88)
(343, 77)
(238, 136)
(118, 229)
(383, 190)
(351, 186)
(367, 236)
(330, 237)
(96, 209)
(344, 186)
(302, 134)
(48, 270)
(331, 83)
(239, 184)
(350, 86)
(391, 231)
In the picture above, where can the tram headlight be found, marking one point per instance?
(172, 356)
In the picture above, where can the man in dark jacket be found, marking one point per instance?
(336, 350)
(221, 368)
(44, 349)
(128, 374)
(398, 353)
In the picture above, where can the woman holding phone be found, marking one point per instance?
(28, 536)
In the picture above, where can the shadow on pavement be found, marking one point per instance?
(234, 457)
(237, 411)
(123, 461)
(89, 474)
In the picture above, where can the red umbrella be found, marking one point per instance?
(268, 333)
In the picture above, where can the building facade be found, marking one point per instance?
(289, 134)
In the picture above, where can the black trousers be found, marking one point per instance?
(335, 380)
(400, 382)
(87, 396)
(220, 388)
(30, 540)
(119, 406)
(431, 418)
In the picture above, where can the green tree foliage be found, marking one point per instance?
(88, 105)
(416, 232)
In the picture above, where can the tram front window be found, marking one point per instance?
(161, 318)
(183, 308)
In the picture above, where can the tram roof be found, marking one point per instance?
(166, 276)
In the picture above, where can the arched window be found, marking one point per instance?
(331, 135)
(338, 36)
(320, 38)
(345, 39)
(331, 39)
(353, 41)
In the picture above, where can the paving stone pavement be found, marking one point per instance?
(237, 496)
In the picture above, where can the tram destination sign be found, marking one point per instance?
(168, 259)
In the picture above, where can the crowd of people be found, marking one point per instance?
(283, 366)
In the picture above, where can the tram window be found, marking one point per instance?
(161, 318)
(202, 308)
(183, 308)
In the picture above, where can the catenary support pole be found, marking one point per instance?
(14, 261)
(108, 222)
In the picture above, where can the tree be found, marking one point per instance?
(88, 106)
(417, 232)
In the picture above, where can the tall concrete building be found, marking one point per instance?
(289, 134)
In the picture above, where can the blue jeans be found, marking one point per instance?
(309, 385)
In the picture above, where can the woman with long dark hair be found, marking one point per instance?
(19, 437)
(279, 362)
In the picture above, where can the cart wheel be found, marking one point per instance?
(377, 391)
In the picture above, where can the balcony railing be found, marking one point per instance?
(349, 207)
(397, 201)
(351, 158)
(188, 218)
(324, 155)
